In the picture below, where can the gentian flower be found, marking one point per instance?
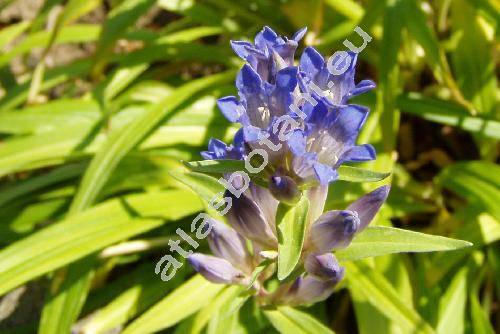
(268, 48)
(270, 87)
(334, 88)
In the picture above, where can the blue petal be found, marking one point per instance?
(362, 87)
(241, 48)
(299, 34)
(231, 108)
(348, 123)
(318, 113)
(218, 147)
(248, 81)
(286, 79)
(324, 173)
(207, 155)
(358, 153)
(264, 37)
(239, 139)
(297, 142)
(311, 62)
(252, 133)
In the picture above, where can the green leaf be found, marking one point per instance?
(480, 320)
(355, 174)
(216, 166)
(28, 186)
(50, 116)
(53, 77)
(85, 233)
(218, 311)
(445, 112)
(379, 240)
(120, 143)
(119, 19)
(76, 33)
(477, 181)
(11, 31)
(417, 25)
(473, 60)
(380, 294)
(348, 8)
(187, 299)
(203, 185)
(131, 301)
(291, 321)
(452, 305)
(291, 225)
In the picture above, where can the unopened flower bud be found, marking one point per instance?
(215, 269)
(246, 217)
(284, 189)
(308, 290)
(324, 267)
(226, 243)
(334, 230)
(367, 206)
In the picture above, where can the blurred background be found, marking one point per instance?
(100, 99)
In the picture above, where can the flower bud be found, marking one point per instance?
(308, 290)
(226, 243)
(324, 267)
(246, 217)
(367, 206)
(284, 189)
(333, 230)
(215, 269)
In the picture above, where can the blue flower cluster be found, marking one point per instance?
(299, 115)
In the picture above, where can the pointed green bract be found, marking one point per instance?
(291, 226)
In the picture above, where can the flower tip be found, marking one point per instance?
(324, 267)
(299, 34)
(215, 269)
(284, 189)
(381, 193)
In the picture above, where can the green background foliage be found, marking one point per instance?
(101, 101)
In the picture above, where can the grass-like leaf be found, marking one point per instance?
(178, 305)
(379, 240)
(85, 233)
(380, 294)
(289, 320)
(355, 174)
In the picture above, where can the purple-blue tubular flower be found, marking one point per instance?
(284, 189)
(226, 243)
(368, 205)
(261, 55)
(309, 290)
(330, 140)
(216, 270)
(300, 120)
(331, 81)
(324, 267)
(335, 229)
(217, 149)
(247, 218)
